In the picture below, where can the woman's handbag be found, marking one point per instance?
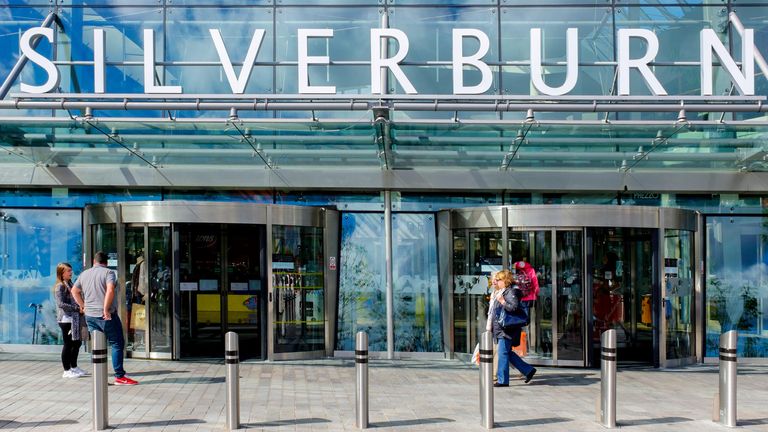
(518, 318)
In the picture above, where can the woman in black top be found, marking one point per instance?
(507, 296)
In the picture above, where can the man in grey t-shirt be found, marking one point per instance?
(95, 292)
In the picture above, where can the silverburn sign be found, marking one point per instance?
(709, 46)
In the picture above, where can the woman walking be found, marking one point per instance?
(508, 296)
(69, 316)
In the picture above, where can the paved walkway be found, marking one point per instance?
(405, 396)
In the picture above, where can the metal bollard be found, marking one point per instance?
(486, 379)
(728, 341)
(100, 395)
(361, 370)
(232, 360)
(608, 379)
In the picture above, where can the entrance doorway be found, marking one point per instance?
(221, 275)
(624, 294)
(190, 272)
(597, 267)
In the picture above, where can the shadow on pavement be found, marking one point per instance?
(660, 420)
(278, 423)
(4, 424)
(555, 379)
(158, 423)
(190, 380)
(157, 372)
(411, 422)
(752, 422)
(532, 422)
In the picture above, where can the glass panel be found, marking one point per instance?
(737, 283)
(297, 282)
(678, 301)
(200, 286)
(595, 26)
(245, 245)
(362, 298)
(136, 292)
(676, 26)
(125, 43)
(570, 300)
(351, 28)
(32, 243)
(475, 259)
(432, 43)
(190, 39)
(417, 299)
(622, 290)
(535, 248)
(160, 280)
(105, 240)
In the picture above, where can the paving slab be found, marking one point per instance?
(405, 395)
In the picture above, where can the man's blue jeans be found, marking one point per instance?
(113, 331)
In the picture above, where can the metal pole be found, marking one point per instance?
(728, 341)
(361, 370)
(608, 379)
(22, 61)
(232, 360)
(486, 379)
(390, 289)
(100, 395)
(759, 59)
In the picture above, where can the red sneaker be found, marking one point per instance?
(125, 381)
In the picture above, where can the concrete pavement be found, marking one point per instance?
(405, 395)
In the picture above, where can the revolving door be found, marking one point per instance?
(190, 272)
(598, 267)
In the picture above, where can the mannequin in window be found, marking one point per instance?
(139, 281)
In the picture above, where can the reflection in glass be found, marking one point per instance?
(570, 301)
(362, 298)
(135, 291)
(737, 285)
(535, 248)
(476, 255)
(160, 289)
(244, 286)
(299, 288)
(678, 289)
(622, 290)
(32, 243)
(414, 268)
(200, 286)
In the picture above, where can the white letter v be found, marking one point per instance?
(238, 83)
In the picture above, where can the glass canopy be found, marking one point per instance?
(399, 143)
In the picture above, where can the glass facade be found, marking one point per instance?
(736, 283)
(362, 283)
(432, 157)
(185, 55)
(34, 242)
(417, 314)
